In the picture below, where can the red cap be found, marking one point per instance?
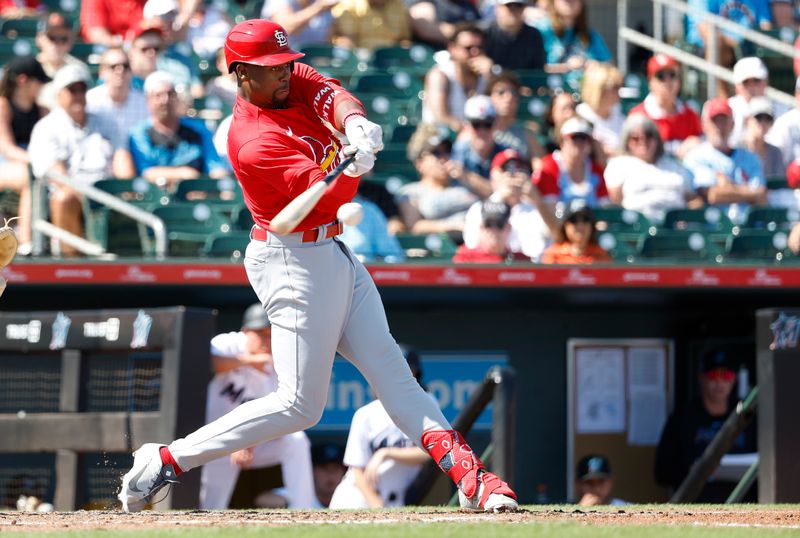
(259, 42)
(793, 174)
(507, 155)
(660, 62)
(148, 27)
(717, 107)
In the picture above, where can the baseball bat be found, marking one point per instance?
(295, 211)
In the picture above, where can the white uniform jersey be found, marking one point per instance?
(370, 430)
(234, 387)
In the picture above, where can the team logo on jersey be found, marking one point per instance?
(322, 154)
(281, 38)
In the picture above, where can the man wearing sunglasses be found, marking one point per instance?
(492, 240)
(677, 123)
(476, 147)
(689, 431)
(115, 102)
(148, 54)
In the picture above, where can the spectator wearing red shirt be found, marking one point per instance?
(493, 235)
(677, 123)
(577, 241)
(569, 174)
(110, 22)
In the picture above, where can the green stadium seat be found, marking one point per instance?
(222, 194)
(322, 56)
(9, 48)
(13, 28)
(387, 110)
(241, 219)
(776, 183)
(69, 8)
(392, 160)
(416, 57)
(679, 246)
(759, 245)
(227, 245)
(189, 225)
(533, 107)
(620, 245)
(770, 218)
(618, 219)
(400, 84)
(432, 246)
(706, 219)
(401, 134)
(536, 80)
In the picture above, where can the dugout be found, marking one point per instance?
(80, 389)
(529, 314)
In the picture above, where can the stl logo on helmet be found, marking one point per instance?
(322, 154)
(280, 37)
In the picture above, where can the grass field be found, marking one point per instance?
(566, 521)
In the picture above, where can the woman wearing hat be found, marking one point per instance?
(20, 86)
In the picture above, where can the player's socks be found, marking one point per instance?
(479, 488)
(167, 459)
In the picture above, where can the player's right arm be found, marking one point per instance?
(370, 494)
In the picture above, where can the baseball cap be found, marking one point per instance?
(327, 453)
(793, 174)
(760, 105)
(717, 107)
(495, 214)
(579, 211)
(576, 125)
(27, 65)
(159, 8)
(508, 156)
(659, 62)
(716, 359)
(70, 74)
(54, 21)
(427, 138)
(750, 67)
(593, 466)
(157, 79)
(255, 318)
(479, 107)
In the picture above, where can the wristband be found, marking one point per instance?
(352, 113)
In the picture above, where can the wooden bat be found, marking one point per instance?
(295, 211)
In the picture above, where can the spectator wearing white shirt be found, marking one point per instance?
(751, 80)
(644, 178)
(71, 141)
(785, 133)
(114, 102)
(532, 228)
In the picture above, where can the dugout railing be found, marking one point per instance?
(80, 389)
(497, 388)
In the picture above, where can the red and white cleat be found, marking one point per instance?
(493, 495)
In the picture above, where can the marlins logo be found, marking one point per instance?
(324, 155)
(280, 37)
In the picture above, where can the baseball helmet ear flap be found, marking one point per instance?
(258, 42)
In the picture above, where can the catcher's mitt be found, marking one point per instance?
(8, 244)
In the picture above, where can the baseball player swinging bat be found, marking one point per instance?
(295, 211)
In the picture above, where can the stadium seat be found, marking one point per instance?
(13, 28)
(9, 48)
(401, 134)
(432, 246)
(399, 85)
(770, 218)
(222, 194)
(679, 246)
(417, 57)
(241, 219)
(387, 110)
(706, 219)
(392, 160)
(776, 183)
(617, 219)
(757, 245)
(69, 8)
(189, 225)
(227, 245)
(620, 245)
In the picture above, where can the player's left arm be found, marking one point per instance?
(411, 455)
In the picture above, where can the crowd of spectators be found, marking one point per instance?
(125, 115)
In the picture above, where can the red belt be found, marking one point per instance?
(309, 236)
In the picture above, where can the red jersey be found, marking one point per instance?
(556, 185)
(678, 126)
(119, 17)
(279, 153)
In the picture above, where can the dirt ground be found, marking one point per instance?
(752, 517)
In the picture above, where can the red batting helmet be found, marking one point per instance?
(259, 42)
